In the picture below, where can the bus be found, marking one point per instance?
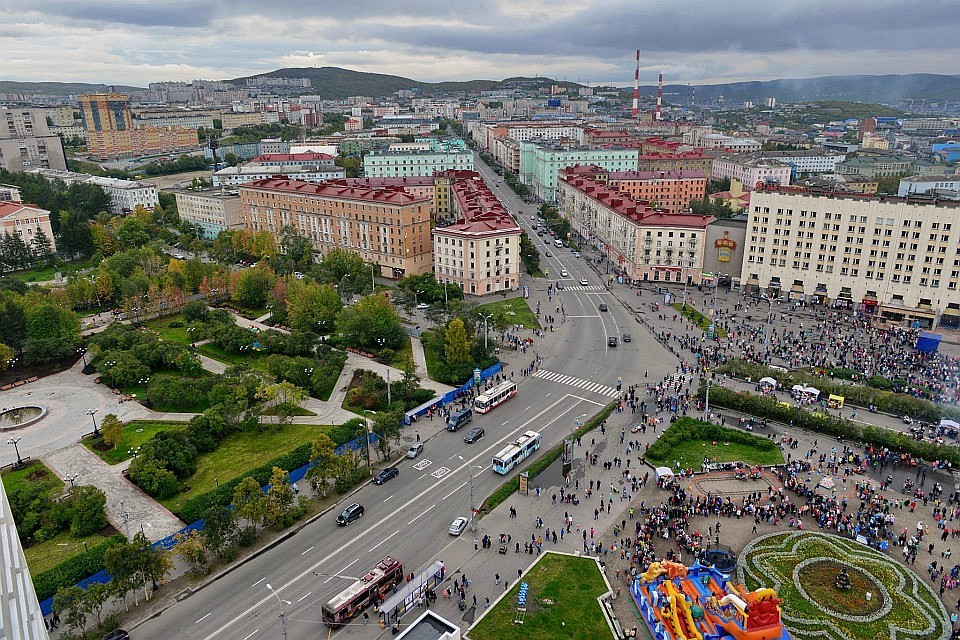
(487, 400)
(370, 587)
(514, 454)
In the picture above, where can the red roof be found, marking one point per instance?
(9, 208)
(335, 189)
(306, 156)
(411, 181)
(481, 211)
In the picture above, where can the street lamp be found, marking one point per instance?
(71, 478)
(245, 349)
(485, 319)
(93, 416)
(190, 331)
(82, 351)
(126, 518)
(283, 614)
(14, 441)
(366, 440)
(473, 517)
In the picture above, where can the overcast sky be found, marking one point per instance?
(135, 42)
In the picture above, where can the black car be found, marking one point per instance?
(626, 337)
(612, 341)
(473, 435)
(117, 634)
(603, 306)
(386, 474)
(351, 513)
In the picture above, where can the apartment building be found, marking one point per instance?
(400, 164)
(233, 176)
(480, 250)
(234, 120)
(484, 133)
(750, 169)
(25, 221)
(125, 195)
(387, 227)
(644, 244)
(27, 143)
(311, 159)
(809, 161)
(682, 161)
(946, 186)
(721, 141)
(541, 166)
(668, 190)
(210, 211)
(111, 132)
(895, 258)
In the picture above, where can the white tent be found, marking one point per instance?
(663, 471)
(828, 483)
(798, 387)
(812, 391)
(769, 381)
(949, 424)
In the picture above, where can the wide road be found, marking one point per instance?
(409, 516)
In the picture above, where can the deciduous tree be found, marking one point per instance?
(112, 429)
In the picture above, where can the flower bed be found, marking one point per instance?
(802, 566)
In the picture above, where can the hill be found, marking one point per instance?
(59, 88)
(886, 88)
(334, 83)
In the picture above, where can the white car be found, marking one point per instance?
(584, 282)
(564, 274)
(423, 305)
(457, 526)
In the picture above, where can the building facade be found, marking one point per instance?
(387, 227)
(642, 244)
(810, 161)
(390, 164)
(111, 132)
(541, 167)
(750, 170)
(683, 161)
(480, 251)
(899, 259)
(947, 186)
(211, 211)
(25, 221)
(668, 190)
(125, 195)
(26, 142)
(234, 176)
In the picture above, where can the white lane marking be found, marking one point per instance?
(453, 456)
(304, 596)
(422, 477)
(548, 395)
(504, 422)
(255, 632)
(258, 582)
(203, 618)
(341, 571)
(528, 408)
(454, 491)
(384, 540)
(481, 454)
(307, 551)
(439, 473)
(422, 514)
(385, 499)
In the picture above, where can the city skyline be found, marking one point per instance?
(137, 42)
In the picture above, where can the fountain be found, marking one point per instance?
(18, 417)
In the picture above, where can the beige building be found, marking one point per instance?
(388, 227)
(481, 250)
(234, 120)
(644, 244)
(897, 259)
(27, 143)
(26, 221)
(211, 211)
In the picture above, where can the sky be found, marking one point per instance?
(134, 42)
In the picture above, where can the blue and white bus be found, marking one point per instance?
(514, 454)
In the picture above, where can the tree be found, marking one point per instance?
(75, 237)
(249, 501)
(312, 306)
(219, 529)
(322, 463)
(295, 247)
(456, 344)
(86, 506)
(42, 247)
(120, 562)
(252, 288)
(387, 426)
(283, 397)
(371, 319)
(347, 271)
(95, 597)
(6, 356)
(14, 251)
(52, 333)
(279, 498)
(112, 429)
(13, 329)
(70, 603)
(152, 562)
(190, 547)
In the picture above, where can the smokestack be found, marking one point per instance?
(659, 95)
(636, 88)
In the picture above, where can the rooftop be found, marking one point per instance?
(689, 174)
(307, 156)
(480, 210)
(338, 189)
(8, 208)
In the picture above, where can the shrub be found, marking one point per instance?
(352, 479)
(175, 324)
(154, 480)
(73, 570)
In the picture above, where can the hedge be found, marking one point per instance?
(766, 407)
(899, 404)
(72, 571)
(507, 489)
(697, 318)
(690, 429)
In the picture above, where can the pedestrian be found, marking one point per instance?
(366, 617)
(497, 578)
(418, 436)
(486, 602)
(519, 573)
(474, 600)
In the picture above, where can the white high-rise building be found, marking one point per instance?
(20, 616)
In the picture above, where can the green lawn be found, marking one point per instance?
(134, 434)
(562, 595)
(42, 274)
(515, 310)
(404, 352)
(690, 454)
(241, 452)
(296, 411)
(60, 548)
(162, 326)
(34, 471)
(697, 318)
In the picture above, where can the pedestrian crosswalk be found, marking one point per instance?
(579, 287)
(580, 383)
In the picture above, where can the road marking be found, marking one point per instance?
(423, 464)
(258, 582)
(385, 499)
(528, 408)
(504, 422)
(439, 473)
(455, 490)
(422, 514)
(307, 551)
(301, 598)
(203, 618)
(257, 631)
(384, 540)
(482, 453)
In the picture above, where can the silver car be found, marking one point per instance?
(458, 525)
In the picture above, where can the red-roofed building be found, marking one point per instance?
(25, 221)
(682, 161)
(668, 190)
(603, 137)
(645, 244)
(387, 226)
(480, 249)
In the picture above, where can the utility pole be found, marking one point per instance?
(473, 517)
(389, 396)
(485, 331)
(283, 614)
(706, 404)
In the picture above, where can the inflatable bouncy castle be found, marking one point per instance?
(700, 603)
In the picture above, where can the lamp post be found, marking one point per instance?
(366, 440)
(190, 331)
(14, 440)
(245, 349)
(373, 282)
(93, 416)
(308, 374)
(283, 614)
(473, 517)
(126, 518)
(82, 351)
(415, 296)
(485, 332)
(71, 478)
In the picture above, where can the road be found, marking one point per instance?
(408, 517)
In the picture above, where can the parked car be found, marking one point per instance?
(387, 474)
(603, 306)
(117, 634)
(474, 435)
(627, 337)
(423, 305)
(415, 450)
(351, 513)
(458, 525)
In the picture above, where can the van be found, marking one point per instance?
(558, 243)
(459, 419)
